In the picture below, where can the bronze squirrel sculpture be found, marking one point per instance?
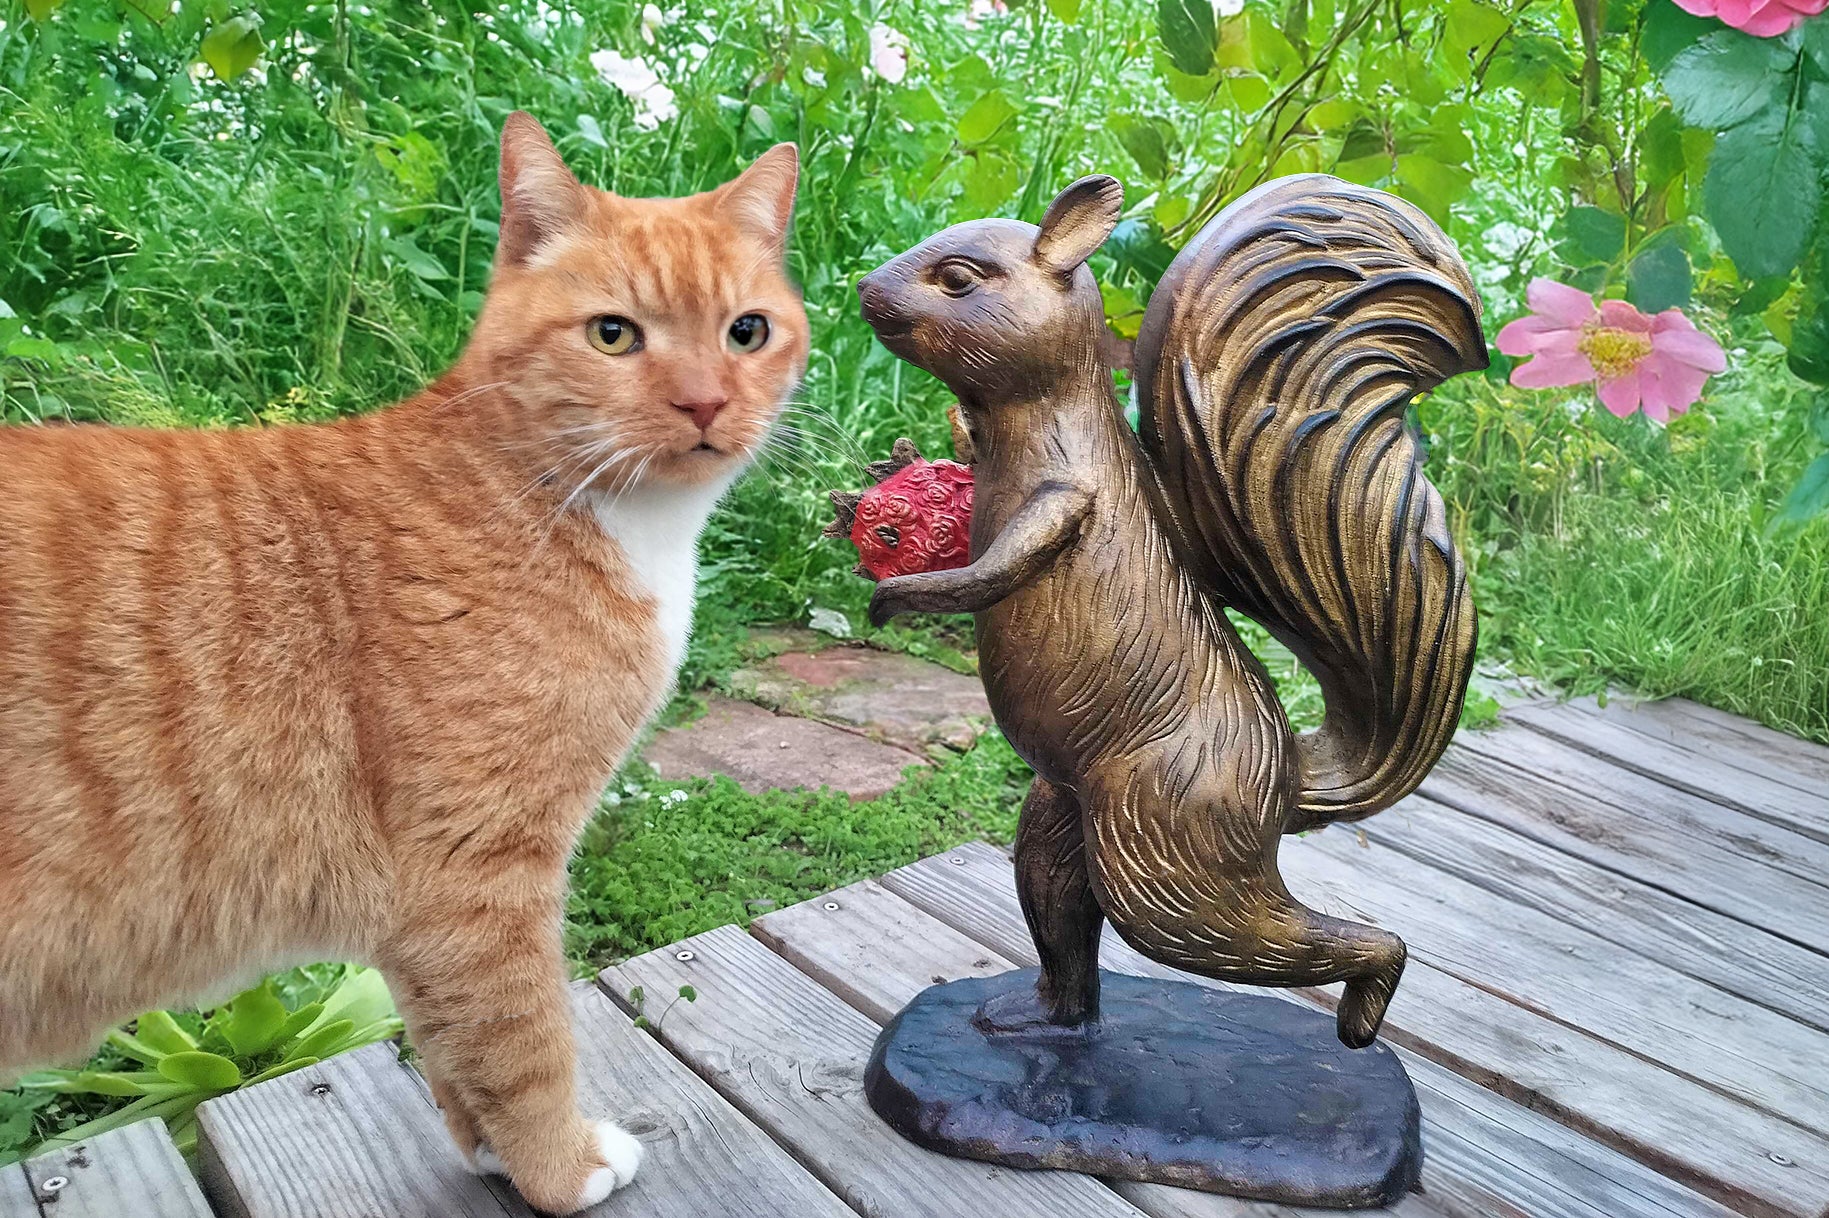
(1272, 472)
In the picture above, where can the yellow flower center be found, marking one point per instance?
(1613, 352)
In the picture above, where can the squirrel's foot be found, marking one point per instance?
(1023, 1011)
(1362, 1009)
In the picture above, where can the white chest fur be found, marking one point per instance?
(657, 528)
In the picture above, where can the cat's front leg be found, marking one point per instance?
(478, 972)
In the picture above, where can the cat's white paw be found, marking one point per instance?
(621, 1151)
(484, 1163)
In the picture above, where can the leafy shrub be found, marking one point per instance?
(165, 1064)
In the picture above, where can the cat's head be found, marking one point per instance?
(649, 340)
(999, 309)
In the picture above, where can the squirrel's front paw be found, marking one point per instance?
(888, 601)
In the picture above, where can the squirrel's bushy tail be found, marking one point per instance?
(1274, 367)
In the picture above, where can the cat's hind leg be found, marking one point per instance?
(478, 971)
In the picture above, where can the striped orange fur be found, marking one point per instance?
(350, 691)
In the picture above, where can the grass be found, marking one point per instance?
(1611, 552)
(664, 860)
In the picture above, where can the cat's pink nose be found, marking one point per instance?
(703, 410)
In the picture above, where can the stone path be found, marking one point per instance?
(821, 713)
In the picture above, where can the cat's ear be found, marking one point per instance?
(540, 197)
(1077, 223)
(761, 198)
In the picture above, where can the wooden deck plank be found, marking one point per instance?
(1524, 782)
(704, 1158)
(1723, 951)
(1701, 771)
(16, 1197)
(1652, 804)
(131, 1170)
(790, 1055)
(1730, 738)
(353, 1136)
(880, 947)
(1560, 970)
(372, 1143)
(1743, 739)
(1680, 1127)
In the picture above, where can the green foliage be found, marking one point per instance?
(1619, 552)
(168, 1063)
(665, 860)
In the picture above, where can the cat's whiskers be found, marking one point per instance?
(466, 395)
(823, 432)
(553, 519)
(577, 458)
(797, 468)
(563, 434)
(789, 439)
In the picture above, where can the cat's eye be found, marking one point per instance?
(748, 333)
(956, 278)
(614, 335)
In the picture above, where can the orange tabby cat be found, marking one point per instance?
(350, 691)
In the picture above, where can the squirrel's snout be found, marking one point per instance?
(870, 294)
(876, 302)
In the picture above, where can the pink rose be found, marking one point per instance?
(1659, 363)
(1761, 18)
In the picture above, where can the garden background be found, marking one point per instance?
(224, 214)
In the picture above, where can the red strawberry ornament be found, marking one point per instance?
(918, 516)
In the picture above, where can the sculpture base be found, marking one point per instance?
(1176, 1083)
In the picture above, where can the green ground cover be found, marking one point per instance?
(238, 215)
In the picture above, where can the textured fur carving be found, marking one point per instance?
(1273, 474)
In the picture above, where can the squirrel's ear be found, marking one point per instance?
(1077, 222)
(540, 197)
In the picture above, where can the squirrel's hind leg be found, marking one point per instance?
(1232, 919)
(1063, 916)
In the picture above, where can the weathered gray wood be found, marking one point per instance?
(16, 1198)
(704, 1159)
(1657, 803)
(791, 1057)
(1487, 1148)
(1694, 766)
(1712, 947)
(868, 965)
(1676, 1126)
(352, 1137)
(1560, 970)
(1582, 806)
(1741, 741)
(131, 1170)
(358, 1136)
(1728, 738)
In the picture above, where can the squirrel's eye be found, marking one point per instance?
(614, 335)
(748, 333)
(956, 278)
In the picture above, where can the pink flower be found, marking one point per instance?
(1762, 18)
(979, 10)
(888, 53)
(1659, 362)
